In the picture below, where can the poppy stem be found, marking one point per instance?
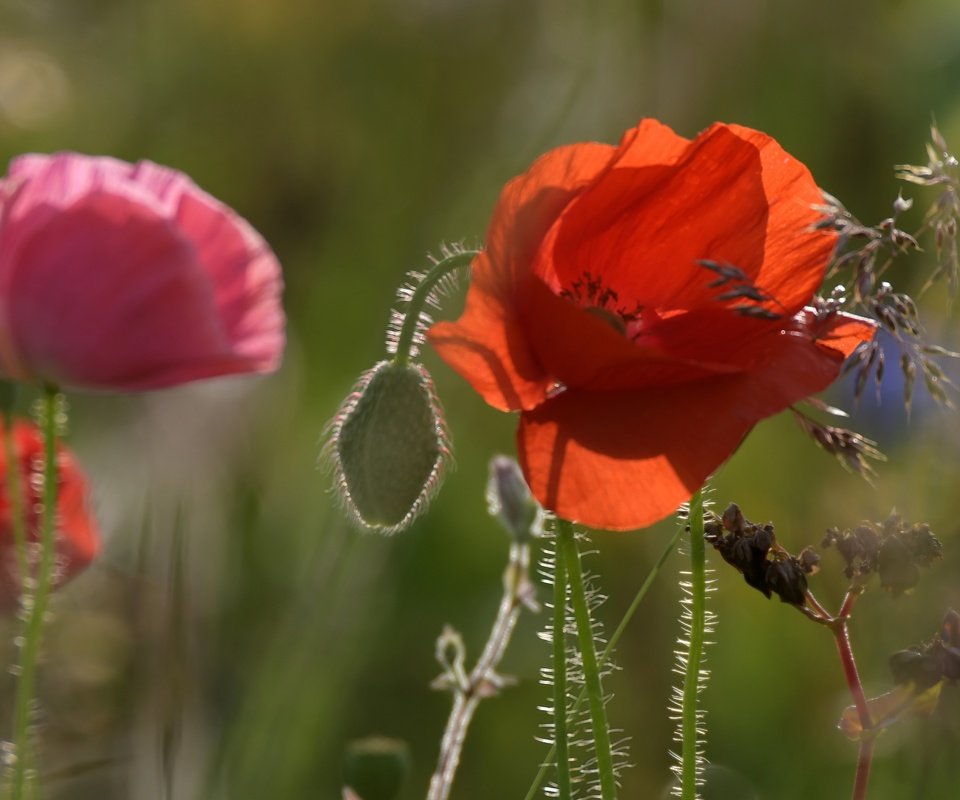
(695, 617)
(34, 599)
(567, 545)
(608, 650)
(419, 297)
(561, 744)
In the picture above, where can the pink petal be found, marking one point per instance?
(128, 276)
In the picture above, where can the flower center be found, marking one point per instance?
(602, 302)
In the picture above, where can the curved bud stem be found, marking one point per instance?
(420, 296)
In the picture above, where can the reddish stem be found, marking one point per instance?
(846, 609)
(851, 674)
(842, 637)
(863, 767)
(819, 610)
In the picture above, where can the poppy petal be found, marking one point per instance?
(128, 277)
(581, 350)
(129, 309)
(734, 197)
(487, 345)
(78, 537)
(489, 349)
(242, 268)
(623, 460)
(530, 203)
(244, 274)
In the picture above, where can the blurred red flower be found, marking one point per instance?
(590, 312)
(78, 539)
(125, 277)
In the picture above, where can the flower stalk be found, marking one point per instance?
(35, 596)
(693, 676)
(560, 597)
(483, 680)
(420, 296)
(561, 734)
(841, 634)
(568, 550)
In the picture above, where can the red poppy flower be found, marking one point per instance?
(128, 276)
(78, 540)
(591, 313)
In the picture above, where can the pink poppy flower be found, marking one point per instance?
(125, 277)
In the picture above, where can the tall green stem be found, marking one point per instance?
(567, 543)
(608, 650)
(36, 594)
(689, 755)
(420, 295)
(561, 742)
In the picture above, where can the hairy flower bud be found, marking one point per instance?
(389, 445)
(510, 501)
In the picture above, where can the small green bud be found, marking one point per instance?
(375, 768)
(510, 501)
(389, 446)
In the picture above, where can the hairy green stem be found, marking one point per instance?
(692, 677)
(421, 293)
(561, 744)
(608, 650)
(36, 594)
(567, 542)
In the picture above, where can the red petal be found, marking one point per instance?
(623, 460)
(488, 345)
(582, 351)
(78, 539)
(734, 196)
(530, 203)
(840, 332)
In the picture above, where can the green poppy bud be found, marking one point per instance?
(389, 446)
(375, 768)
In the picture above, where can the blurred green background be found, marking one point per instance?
(237, 634)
